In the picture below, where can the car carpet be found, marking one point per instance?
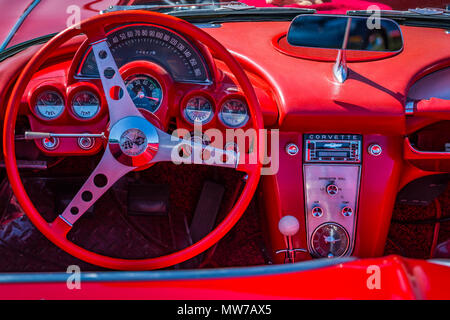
(111, 231)
(25, 249)
(412, 229)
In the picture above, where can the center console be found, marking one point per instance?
(331, 171)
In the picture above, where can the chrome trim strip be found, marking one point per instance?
(18, 23)
(97, 42)
(204, 83)
(167, 275)
(440, 261)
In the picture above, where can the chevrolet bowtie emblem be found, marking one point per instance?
(333, 145)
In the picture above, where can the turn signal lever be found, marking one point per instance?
(432, 108)
(288, 227)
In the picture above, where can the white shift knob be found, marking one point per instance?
(288, 226)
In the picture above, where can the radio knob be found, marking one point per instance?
(332, 189)
(317, 212)
(347, 211)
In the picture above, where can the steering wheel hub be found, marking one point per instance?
(133, 141)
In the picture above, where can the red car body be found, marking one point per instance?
(370, 103)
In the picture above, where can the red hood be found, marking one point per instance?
(47, 16)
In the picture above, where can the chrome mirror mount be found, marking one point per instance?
(340, 70)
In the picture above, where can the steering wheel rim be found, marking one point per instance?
(56, 231)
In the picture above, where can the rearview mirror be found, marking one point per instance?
(330, 32)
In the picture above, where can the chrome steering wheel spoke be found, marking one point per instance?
(178, 151)
(107, 172)
(120, 104)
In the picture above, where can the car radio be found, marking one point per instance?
(331, 173)
(339, 148)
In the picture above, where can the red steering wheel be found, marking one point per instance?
(125, 120)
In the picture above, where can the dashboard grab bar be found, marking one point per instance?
(432, 108)
(411, 153)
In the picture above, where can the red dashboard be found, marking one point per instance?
(293, 104)
(370, 103)
(65, 81)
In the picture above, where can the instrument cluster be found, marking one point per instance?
(200, 108)
(165, 74)
(81, 101)
(82, 108)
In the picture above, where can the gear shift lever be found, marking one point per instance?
(289, 226)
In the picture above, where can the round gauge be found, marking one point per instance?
(85, 104)
(234, 113)
(49, 104)
(330, 240)
(145, 92)
(198, 109)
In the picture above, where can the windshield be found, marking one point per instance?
(23, 20)
(324, 6)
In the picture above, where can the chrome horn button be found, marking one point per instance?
(133, 141)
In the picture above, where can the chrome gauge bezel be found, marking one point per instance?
(127, 81)
(185, 104)
(160, 34)
(330, 224)
(36, 108)
(241, 124)
(72, 107)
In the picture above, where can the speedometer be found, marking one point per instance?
(142, 42)
(49, 104)
(233, 113)
(145, 91)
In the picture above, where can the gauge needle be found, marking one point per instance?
(141, 95)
